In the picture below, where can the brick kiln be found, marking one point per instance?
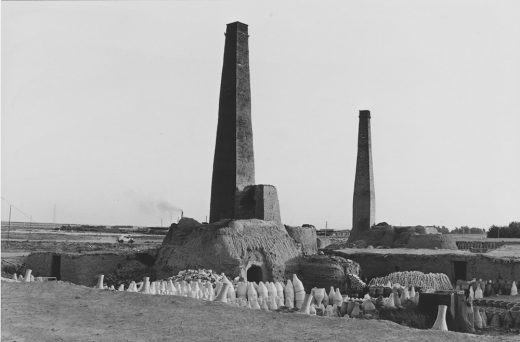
(245, 236)
(254, 249)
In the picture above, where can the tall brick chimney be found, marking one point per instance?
(233, 165)
(364, 204)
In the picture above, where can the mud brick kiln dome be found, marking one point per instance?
(264, 248)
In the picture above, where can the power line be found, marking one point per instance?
(17, 209)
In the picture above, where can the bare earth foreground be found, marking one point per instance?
(65, 312)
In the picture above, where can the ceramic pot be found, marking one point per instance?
(100, 282)
(440, 322)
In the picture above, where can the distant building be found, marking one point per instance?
(333, 233)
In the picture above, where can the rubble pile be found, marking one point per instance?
(428, 282)
(197, 275)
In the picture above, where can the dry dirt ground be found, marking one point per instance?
(46, 236)
(64, 312)
(27, 247)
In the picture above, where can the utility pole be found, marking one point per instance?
(9, 224)
(326, 227)
(30, 227)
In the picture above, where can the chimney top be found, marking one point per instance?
(364, 114)
(237, 26)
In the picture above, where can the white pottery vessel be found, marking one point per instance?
(100, 282)
(440, 322)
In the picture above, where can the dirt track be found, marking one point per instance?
(64, 312)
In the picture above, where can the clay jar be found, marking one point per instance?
(306, 305)
(350, 307)
(356, 311)
(514, 289)
(289, 294)
(299, 292)
(515, 311)
(387, 291)
(318, 294)
(508, 321)
(477, 319)
(368, 306)
(241, 289)
(488, 289)
(440, 322)
(507, 287)
(344, 309)
(495, 321)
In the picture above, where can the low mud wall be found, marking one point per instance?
(324, 241)
(41, 264)
(325, 271)
(83, 269)
(455, 266)
(409, 237)
(430, 241)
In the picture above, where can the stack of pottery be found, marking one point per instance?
(498, 314)
(488, 288)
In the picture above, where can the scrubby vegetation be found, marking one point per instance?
(511, 231)
(460, 230)
(9, 268)
(468, 230)
(444, 229)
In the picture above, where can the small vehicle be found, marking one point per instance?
(125, 239)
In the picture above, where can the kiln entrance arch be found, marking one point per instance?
(254, 273)
(460, 270)
(56, 266)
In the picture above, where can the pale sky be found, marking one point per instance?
(109, 109)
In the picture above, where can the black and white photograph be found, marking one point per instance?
(292, 170)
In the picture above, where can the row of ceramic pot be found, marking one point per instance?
(480, 288)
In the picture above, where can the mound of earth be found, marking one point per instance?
(305, 237)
